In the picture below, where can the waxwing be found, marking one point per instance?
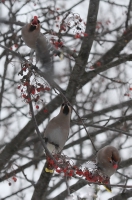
(57, 130)
(37, 41)
(107, 161)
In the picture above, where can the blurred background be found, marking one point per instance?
(100, 93)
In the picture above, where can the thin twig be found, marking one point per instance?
(53, 84)
(68, 189)
(113, 185)
(112, 79)
(128, 14)
(38, 132)
(16, 192)
(109, 128)
(32, 182)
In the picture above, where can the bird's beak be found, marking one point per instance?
(34, 21)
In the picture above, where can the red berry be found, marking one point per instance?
(18, 87)
(58, 170)
(98, 64)
(77, 36)
(47, 88)
(14, 178)
(85, 34)
(32, 89)
(38, 89)
(37, 107)
(16, 45)
(24, 96)
(25, 84)
(45, 110)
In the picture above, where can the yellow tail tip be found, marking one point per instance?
(108, 188)
(49, 170)
(61, 56)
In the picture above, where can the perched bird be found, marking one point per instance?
(57, 130)
(37, 41)
(107, 161)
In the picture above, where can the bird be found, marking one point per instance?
(107, 161)
(57, 131)
(34, 39)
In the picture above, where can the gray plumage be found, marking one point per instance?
(107, 157)
(37, 41)
(57, 130)
(107, 161)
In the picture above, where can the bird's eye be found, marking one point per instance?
(38, 22)
(110, 161)
(63, 104)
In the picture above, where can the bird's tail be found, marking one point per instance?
(49, 168)
(108, 187)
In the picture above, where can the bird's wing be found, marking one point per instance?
(43, 53)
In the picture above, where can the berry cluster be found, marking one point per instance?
(71, 21)
(129, 89)
(12, 179)
(69, 169)
(14, 46)
(32, 85)
(57, 43)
